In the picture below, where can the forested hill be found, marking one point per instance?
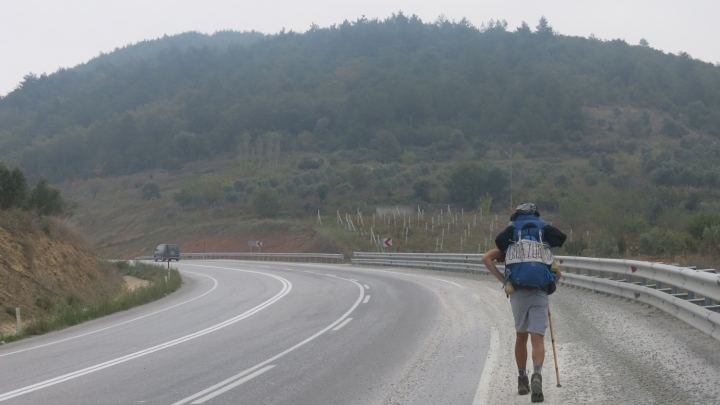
(369, 84)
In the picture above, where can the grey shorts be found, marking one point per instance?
(530, 311)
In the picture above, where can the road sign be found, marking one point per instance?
(255, 243)
(386, 242)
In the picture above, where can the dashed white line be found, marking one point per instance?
(345, 322)
(233, 385)
(367, 287)
(367, 298)
(334, 326)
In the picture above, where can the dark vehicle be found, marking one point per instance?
(167, 252)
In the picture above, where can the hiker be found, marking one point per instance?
(530, 276)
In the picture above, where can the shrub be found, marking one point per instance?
(699, 222)
(310, 163)
(657, 242)
(343, 188)
(150, 191)
(266, 203)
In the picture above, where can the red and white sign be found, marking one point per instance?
(255, 243)
(386, 242)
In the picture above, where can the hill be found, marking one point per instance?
(44, 261)
(611, 139)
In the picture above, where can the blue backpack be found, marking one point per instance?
(528, 259)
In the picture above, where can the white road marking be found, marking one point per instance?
(352, 279)
(367, 287)
(121, 323)
(287, 286)
(277, 356)
(331, 275)
(367, 298)
(482, 395)
(233, 385)
(411, 275)
(345, 322)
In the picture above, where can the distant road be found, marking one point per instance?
(252, 333)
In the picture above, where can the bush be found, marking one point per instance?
(344, 188)
(699, 222)
(310, 163)
(665, 243)
(575, 247)
(266, 203)
(150, 191)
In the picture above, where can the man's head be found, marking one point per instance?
(525, 209)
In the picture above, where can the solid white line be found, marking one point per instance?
(277, 356)
(367, 298)
(121, 323)
(482, 395)
(287, 286)
(367, 287)
(345, 322)
(331, 275)
(233, 385)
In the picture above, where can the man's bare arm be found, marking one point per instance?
(489, 259)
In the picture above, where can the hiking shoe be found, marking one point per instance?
(523, 385)
(536, 386)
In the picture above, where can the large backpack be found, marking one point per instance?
(528, 259)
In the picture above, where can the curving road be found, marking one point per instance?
(286, 333)
(251, 333)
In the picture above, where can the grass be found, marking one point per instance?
(60, 315)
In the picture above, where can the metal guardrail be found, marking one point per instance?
(670, 288)
(293, 257)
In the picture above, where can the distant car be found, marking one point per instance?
(167, 252)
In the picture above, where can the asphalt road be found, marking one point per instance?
(275, 333)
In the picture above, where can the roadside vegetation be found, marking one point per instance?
(60, 314)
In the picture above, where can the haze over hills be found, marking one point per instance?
(392, 111)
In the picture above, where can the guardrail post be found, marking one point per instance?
(673, 289)
(19, 321)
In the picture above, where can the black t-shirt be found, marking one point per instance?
(553, 236)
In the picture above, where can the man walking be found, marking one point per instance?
(529, 278)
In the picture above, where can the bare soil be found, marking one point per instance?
(39, 268)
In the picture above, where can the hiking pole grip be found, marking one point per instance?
(552, 340)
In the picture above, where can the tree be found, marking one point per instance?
(466, 184)
(421, 189)
(644, 42)
(322, 190)
(266, 203)
(46, 200)
(544, 29)
(150, 191)
(13, 187)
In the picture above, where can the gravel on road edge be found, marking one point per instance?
(610, 351)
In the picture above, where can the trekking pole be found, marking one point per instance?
(552, 339)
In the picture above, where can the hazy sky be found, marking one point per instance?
(41, 36)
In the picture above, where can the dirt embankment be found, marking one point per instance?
(43, 261)
(223, 236)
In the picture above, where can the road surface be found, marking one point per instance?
(287, 333)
